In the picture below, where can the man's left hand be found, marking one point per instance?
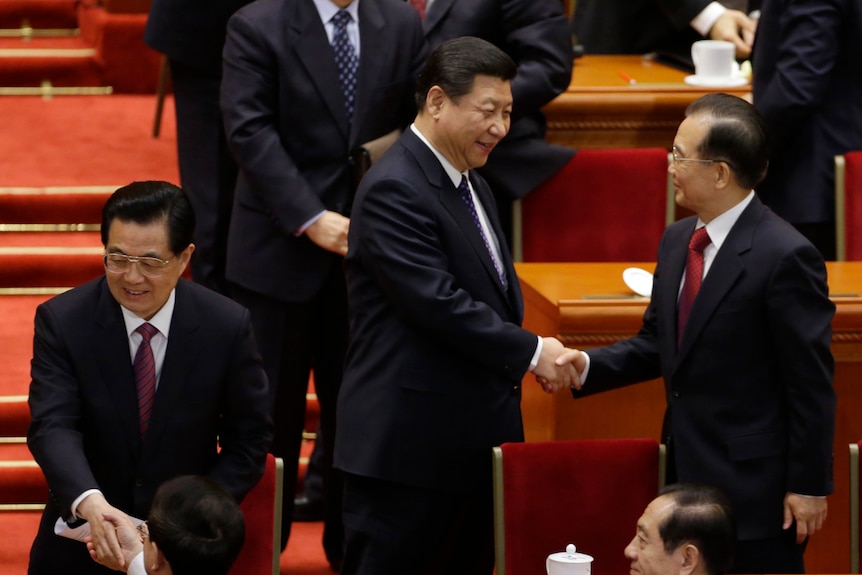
(809, 513)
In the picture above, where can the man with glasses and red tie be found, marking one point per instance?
(739, 327)
(137, 377)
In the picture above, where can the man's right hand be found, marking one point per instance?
(103, 534)
(330, 232)
(127, 535)
(735, 26)
(551, 375)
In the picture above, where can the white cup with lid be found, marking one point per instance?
(569, 562)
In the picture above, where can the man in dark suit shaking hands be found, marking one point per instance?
(140, 376)
(436, 352)
(739, 327)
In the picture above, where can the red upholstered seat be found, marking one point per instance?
(262, 510)
(586, 492)
(848, 206)
(604, 205)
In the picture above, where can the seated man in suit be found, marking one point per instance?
(433, 372)
(137, 377)
(687, 530)
(739, 326)
(194, 526)
(666, 26)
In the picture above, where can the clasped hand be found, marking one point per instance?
(559, 367)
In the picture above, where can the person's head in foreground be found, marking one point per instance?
(194, 526)
(687, 530)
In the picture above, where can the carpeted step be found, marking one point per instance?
(53, 205)
(49, 266)
(61, 61)
(38, 13)
(14, 416)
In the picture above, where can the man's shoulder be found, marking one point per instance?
(212, 305)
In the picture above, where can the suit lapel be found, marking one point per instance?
(435, 14)
(724, 272)
(371, 56)
(314, 51)
(111, 350)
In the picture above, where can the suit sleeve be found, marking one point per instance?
(538, 38)
(55, 437)
(249, 102)
(405, 253)
(808, 35)
(800, 316)
(245, 428)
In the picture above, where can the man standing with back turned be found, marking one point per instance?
(436, 356)
(739, 326)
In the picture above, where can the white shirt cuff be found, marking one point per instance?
(704, 21)
(136, 565)
(78, 500)
(535, 361)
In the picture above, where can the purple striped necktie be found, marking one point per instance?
(145, 376)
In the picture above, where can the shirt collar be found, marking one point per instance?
(720, 227)
(451, 171)
(161, 321)
(327, 10)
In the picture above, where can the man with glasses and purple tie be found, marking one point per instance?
(137, 377)
(739, 327)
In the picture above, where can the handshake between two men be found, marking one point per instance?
(559, 367)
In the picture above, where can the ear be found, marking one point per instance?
(434, 101)
(185, 257)
(723, 175)
(691, 560)
(159, 564)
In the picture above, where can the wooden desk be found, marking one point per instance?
(602, 110)
(588, 305)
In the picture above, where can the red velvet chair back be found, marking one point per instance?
(262, 510)
(855, 506)
(848, 205)
(587, 492)
(605, 205)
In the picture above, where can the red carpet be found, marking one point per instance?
(85, 140)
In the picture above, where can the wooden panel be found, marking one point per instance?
(602, 109)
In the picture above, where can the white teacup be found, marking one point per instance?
(714, 60)
(568, 562)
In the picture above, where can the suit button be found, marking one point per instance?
(675, 393)
(139, 482)
(516, 388)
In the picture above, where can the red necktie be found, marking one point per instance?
(693, 278)
(420, 7)
(145, 376)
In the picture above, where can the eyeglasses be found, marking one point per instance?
(148, 266)
(143, 531)
(677, 158)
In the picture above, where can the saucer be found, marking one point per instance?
(733, 82)
(638, 280)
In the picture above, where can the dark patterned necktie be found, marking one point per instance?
(693, 278)
(345, 59)
(467, 197)
(145, 376)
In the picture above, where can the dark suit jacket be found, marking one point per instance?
(637, 27)
(808, 85)
(287, 127)
(436, 355)
(535, 33)
(190, 31)
(84, 432)
(751, 407)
